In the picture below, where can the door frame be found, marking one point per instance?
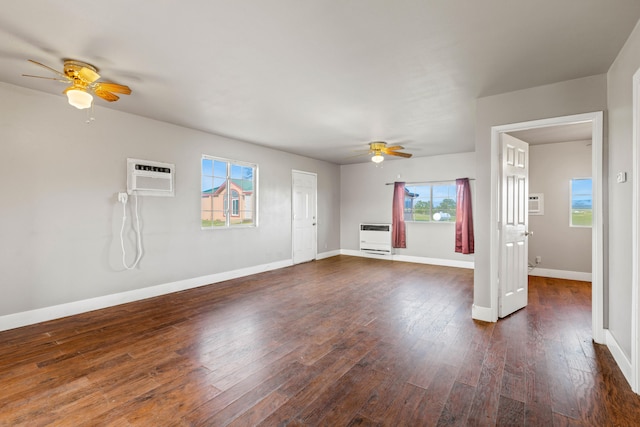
(315, 214)
(635, 240)
(597, 232)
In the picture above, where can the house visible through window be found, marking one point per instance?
(228, 190)
(581, 202)
(430, 202)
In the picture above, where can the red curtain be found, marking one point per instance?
(464, 217)
(398, 235)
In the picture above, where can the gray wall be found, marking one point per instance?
(560, 99)
(551, 167)
(60, 223)
(620, 93)
(366, 198)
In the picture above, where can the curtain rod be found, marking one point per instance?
(428, 182)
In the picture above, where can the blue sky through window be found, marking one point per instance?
(581, 193)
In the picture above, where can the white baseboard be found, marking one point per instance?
(561, 274)
(621, 359)
(482, 313)
(16, 320)
(329, 254)
(435, 261)
(414, 259)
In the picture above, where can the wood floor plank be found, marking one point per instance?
(513, 378)
(563, 392)
(339, 404)
(484, 407)
(382, 398)
(474, 357)
(164, 402)
(362, 421)
(510, 412)
(258, 412)
(221, 411)
(405, 409)
(329, 369)
(344, 341)
(432, 403)
(456, 408)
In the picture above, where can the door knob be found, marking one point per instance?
(528, 233)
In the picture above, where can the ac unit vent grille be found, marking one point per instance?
(148, 178)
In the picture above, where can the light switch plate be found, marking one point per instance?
(621, 177)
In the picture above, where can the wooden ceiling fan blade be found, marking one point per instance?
(396, 153)
(53, 70)
(113, 87)
(107, 96)
(395, 147)
(88, 75)
(46, 78)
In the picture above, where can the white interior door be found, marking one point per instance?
(513, 275)
(304, 216)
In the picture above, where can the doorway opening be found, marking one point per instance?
(560, 202)
(596, 122)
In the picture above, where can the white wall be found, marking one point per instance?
(620, 93)
(59, 233)
(366, 198)
(560, 99)
(551, 167)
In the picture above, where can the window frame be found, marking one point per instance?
(431, 186)
(228, 211)
(571, 195)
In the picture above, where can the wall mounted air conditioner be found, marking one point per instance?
(536, 204)
(149, 178)
(375, 239)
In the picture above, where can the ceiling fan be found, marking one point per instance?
(378, 148)
(83, 78)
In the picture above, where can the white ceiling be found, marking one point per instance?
(319, 78)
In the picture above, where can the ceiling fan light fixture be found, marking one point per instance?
(79, 98)
(378, 158)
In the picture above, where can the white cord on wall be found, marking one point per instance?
(122, 197)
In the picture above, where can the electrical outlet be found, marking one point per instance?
(538, 259)
(122, 197)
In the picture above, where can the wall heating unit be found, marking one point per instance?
(375, 239)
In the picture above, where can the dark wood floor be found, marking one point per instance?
(338, 342)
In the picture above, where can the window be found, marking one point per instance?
(235, 203)
(581, 202)
(227, 191)
(430, 202)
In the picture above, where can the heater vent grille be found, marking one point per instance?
(375, 239)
